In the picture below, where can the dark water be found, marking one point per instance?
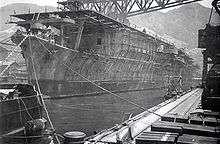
(95, 113)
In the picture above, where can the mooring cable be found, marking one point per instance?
(39, 90)
(13, 51)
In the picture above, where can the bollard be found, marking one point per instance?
(74, 137)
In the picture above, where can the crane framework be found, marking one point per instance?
(121, 9)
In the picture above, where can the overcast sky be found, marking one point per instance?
(54, 2)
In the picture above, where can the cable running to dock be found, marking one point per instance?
(40, 94)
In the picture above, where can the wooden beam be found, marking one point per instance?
(156, 138)
(192, 139)
(61, 35)
(47, 21)
(79, 35)
(182, 128)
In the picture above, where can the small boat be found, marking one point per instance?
(21, 116)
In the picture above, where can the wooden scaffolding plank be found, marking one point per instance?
(156, 138)
(79, 35)
(196, 121)
(207, 121)
(182, 128)
(175, 118)
(193, 139)
(211, 121)
(212, 114)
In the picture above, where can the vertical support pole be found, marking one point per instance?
(58, 6)
(205, 66)
(61, 35)
(79, 35)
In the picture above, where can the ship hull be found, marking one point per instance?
(60, 89)
(67, 72)
(77, 104)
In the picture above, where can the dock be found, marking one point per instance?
(177, 120)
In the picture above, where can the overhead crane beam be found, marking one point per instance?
(121, 9)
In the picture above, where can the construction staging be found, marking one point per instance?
(73, 47)
(89, 68)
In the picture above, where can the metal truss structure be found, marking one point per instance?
(121, 9)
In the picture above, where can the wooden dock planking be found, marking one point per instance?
(191, 128)
(143, 121)
(177, 124)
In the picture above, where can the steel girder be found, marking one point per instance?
(121, 9)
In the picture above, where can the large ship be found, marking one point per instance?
(189, 119)
(82, 54)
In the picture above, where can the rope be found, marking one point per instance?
(40, 94)
(20, 114)
(6, 68)
(26, 109)
(210, 16)
(23, 97)
(16, 48)
(13, 51)
(126, 100)
(21, 119)
(32, 60)
(23, 137)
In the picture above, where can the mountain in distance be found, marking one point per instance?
(19, 8)
(181, 23)
(7, 30)
(7, 49)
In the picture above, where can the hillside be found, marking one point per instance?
(181, 23)
(19, 8)
(6, 30)
(177, 23)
